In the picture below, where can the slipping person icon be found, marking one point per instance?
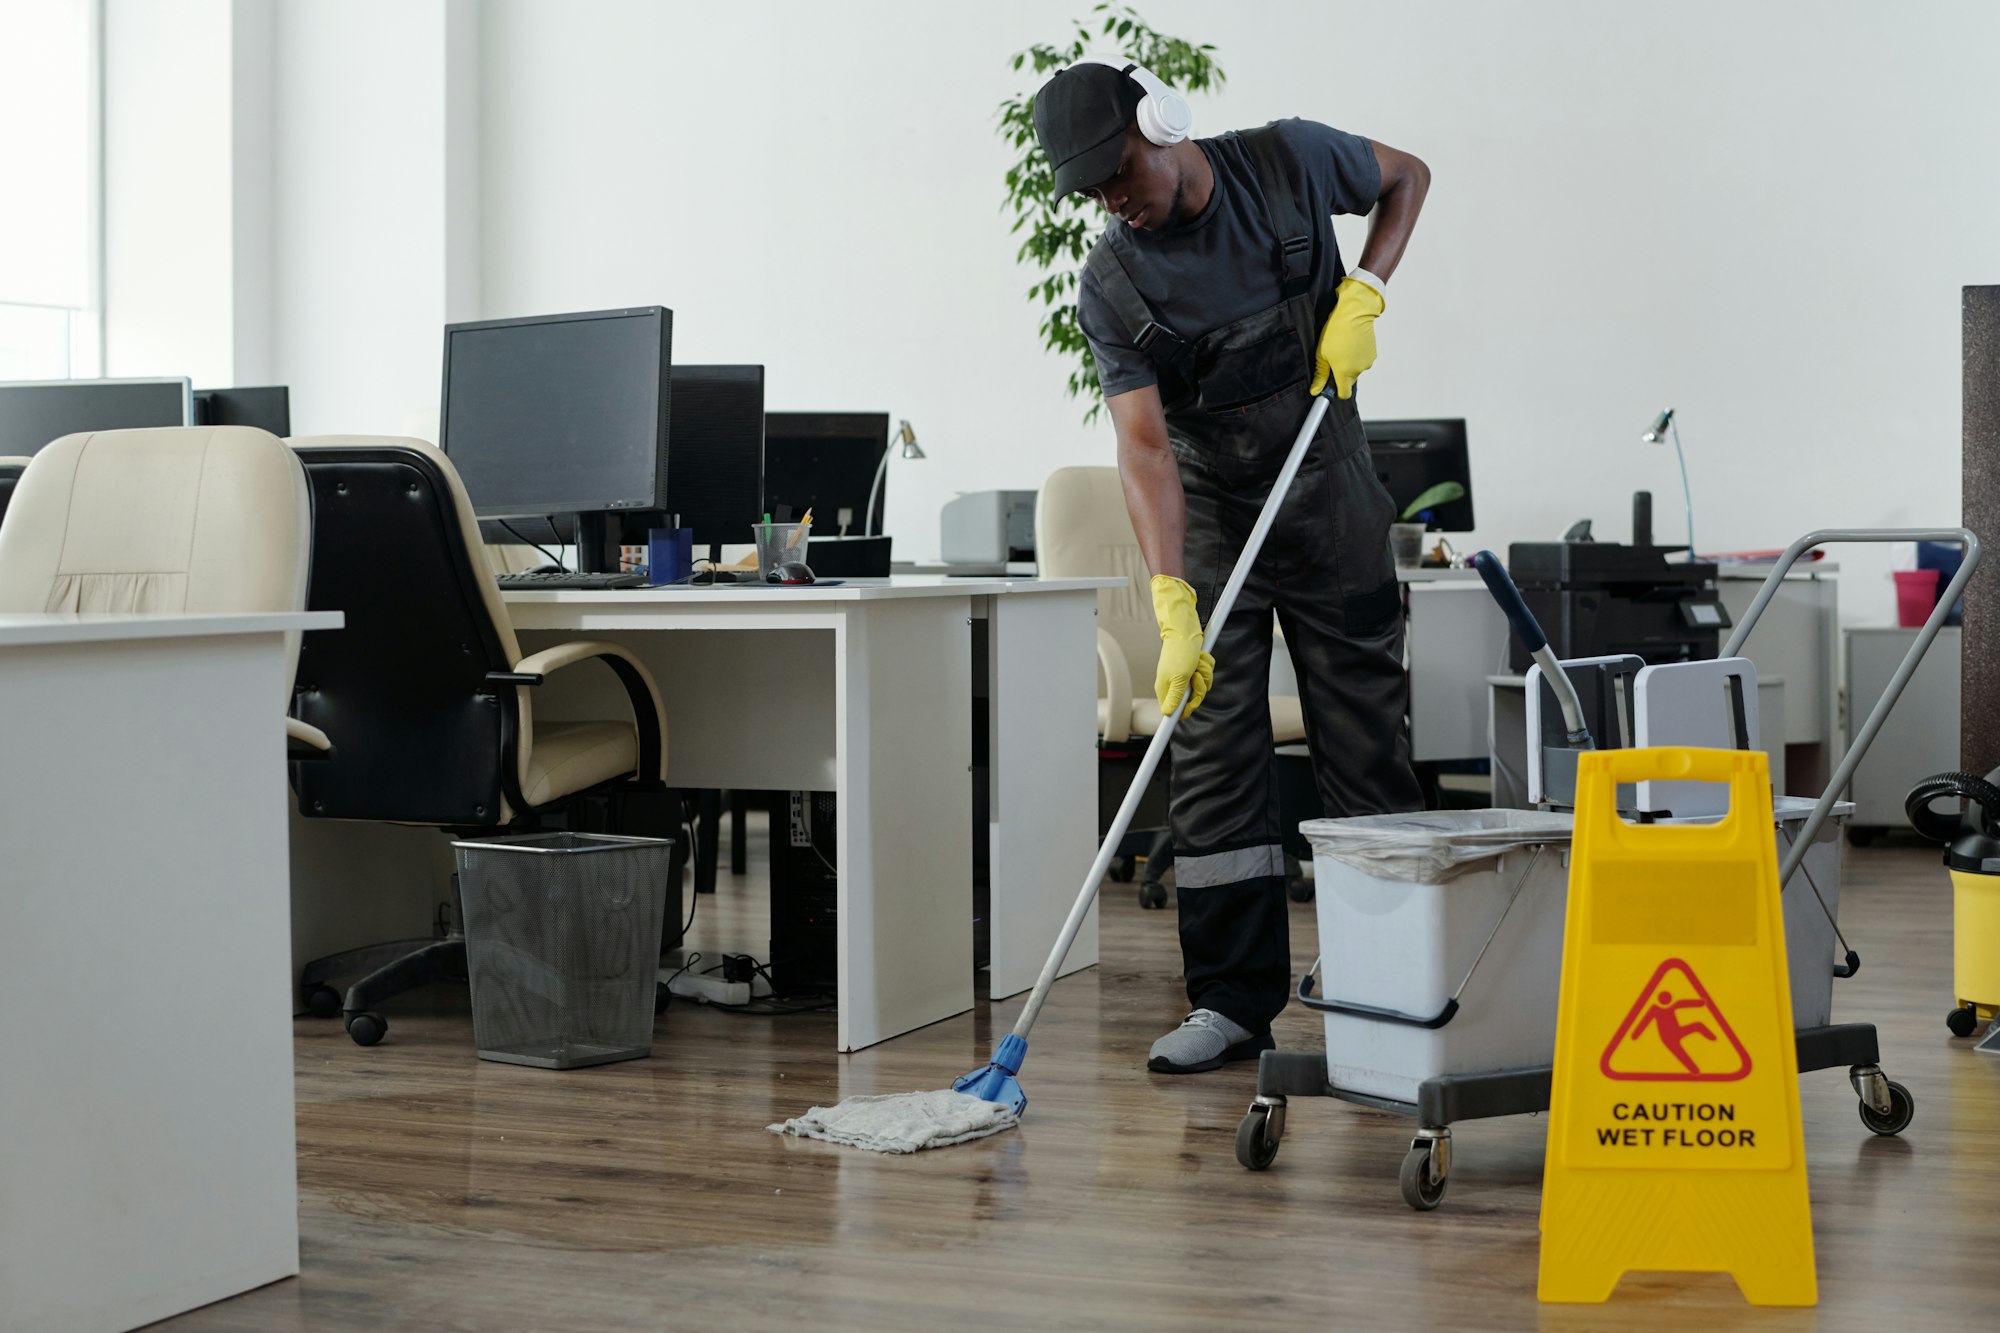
(1665, 1015)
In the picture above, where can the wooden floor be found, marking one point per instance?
(442, 1192)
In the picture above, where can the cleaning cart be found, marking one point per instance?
(1470, 902)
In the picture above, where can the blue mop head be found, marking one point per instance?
(996, 1082)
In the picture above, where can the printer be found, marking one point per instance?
(1606, 599)
(988, 527)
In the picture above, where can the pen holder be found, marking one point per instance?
(779, 544)
(669, 555)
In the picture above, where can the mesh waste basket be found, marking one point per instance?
(562, 943)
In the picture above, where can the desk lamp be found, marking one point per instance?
(908, 438)
(1662, 427)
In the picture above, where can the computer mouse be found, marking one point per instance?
(792, 571)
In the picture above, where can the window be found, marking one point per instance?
(49, 154)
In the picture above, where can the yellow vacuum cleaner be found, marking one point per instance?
(1972, 854)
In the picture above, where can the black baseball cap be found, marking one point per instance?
(1080, 119)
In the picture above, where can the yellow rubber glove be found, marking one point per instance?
(1347, 343)
(1183, 665)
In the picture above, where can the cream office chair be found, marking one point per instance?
(186, 518)
(1082, 529)
(429, 694)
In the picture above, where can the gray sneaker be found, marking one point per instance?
(1205, 1040)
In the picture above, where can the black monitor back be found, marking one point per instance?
(32, 413)
(715, 452)
(267, 407)
(825, 462)
(1413, 456)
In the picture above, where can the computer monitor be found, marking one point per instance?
(267, 408)
(1413, 456)
(34, 412)
(561, 414)
(825, 462)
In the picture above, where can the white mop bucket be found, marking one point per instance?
(1406, 903)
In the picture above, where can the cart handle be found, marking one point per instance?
(1435, 1021)
(1865, 737)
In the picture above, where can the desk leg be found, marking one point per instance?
(903, 745)
(1042, 664)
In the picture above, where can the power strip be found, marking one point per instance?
(710, 988)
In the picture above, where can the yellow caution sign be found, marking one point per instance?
(1674, 1139)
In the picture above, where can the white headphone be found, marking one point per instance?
(1164, 117)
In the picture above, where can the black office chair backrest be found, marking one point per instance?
(10, 472)
(420, 736)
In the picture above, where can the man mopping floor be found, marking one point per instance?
(1213, 466)
(1217, 307)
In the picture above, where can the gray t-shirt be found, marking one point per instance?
(1220, 266)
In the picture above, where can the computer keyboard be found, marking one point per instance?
(567, 580)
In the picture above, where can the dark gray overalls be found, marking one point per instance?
(1235, 400)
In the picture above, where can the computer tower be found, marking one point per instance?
(805, 950)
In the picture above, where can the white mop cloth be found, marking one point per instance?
(903, 1121)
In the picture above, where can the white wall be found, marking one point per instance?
(168, 215)
(365, 155)
(1761, 214)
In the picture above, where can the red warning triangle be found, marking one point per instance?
(1674, 1033)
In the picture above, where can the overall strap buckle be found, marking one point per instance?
(1165, 347)
(1273, 163)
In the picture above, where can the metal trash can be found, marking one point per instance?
(562, 943)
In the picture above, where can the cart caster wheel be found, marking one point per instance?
(662, 997)
(1862, 837)
(1962, 1020)
(1901, 1108)
(1152, 895)
(367, 1029)
(1415, 1179)
(1256, 1146)
(322, 1001)
(1122, 870)
(1299, 889)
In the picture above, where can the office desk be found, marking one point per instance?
(866, 690)
(147, 1160)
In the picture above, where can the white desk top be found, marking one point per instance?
(850, 590)
(25, 628)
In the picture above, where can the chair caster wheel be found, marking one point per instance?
(1962, 1020)
(1152, 895)
(367, 1029)
(1299, 889)
(322, 1001)
(1122, 870)
(662, 997)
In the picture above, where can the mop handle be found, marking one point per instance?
(1158, 748)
